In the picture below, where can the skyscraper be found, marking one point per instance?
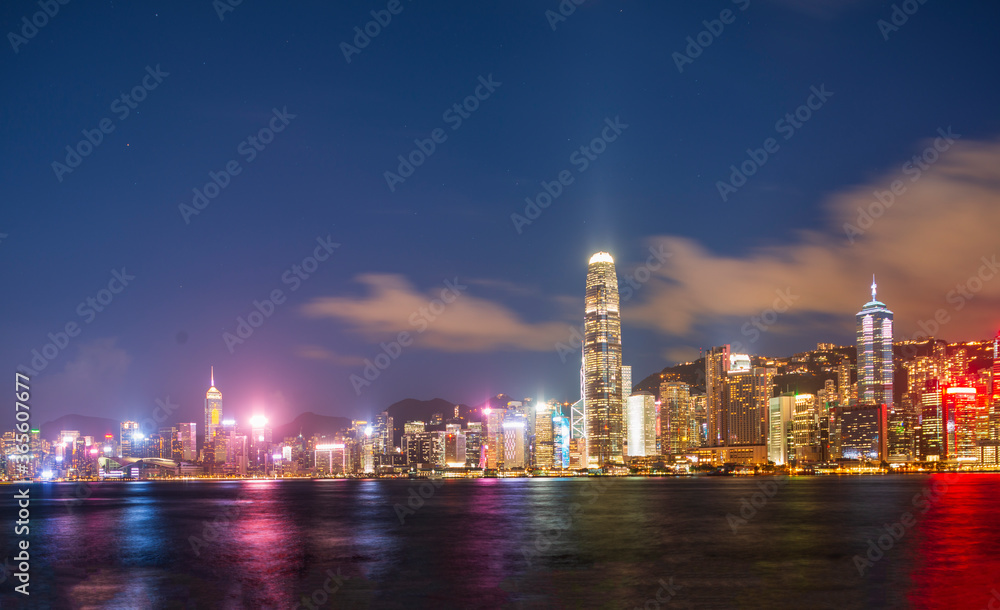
(716, 368)
(560, 441)
(578, 419)
(213, 410)
(780, 443)
(189, 441)
(994, 397)
(678, 426)
(875, 353)
(641, 416)
(129, 439)
(602, 363)
(746, 398)
(543, 435)
(515, 454)
(805, 428)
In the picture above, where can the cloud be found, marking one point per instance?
(467, 324)
(315, 352)
(934, 241)
(681, 354)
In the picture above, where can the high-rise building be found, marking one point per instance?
(167, 436)
(875, 369)
(454, 449)
(862, 430)
(961, 418)
(128, 439)
(188, 433)
(806, 429)
(746, 398)
(259, 445)
(678, 426)
(626, 392)
(494, 437)
(780, 439)
(994, 398)
(844, 381)
(602, 355)
(932, 421)
(383, 433)
(641, 417)
(560, 441)
(515, 442)
(602, 362)
(578, 419)
(213, 409)
(716, 369)
(474, 445)
(543, 436)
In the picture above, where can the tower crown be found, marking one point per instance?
(601, 257)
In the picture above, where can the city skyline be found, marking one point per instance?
(162, 295)
(724, 399)
(722, 356)
(533, 303)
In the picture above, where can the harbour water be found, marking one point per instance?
(698, 542)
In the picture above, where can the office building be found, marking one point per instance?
(875, 368)
(862, 430)
(602, 362)
(716, 370)
(678, 425)
(641, 417)
(188, 434)
(515, 444)
(806, 429)
(213, 409)
(560, 441)
(129, 437)
(961, 410)
(544, 447)
(780, 440)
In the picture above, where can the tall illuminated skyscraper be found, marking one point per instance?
(641, 415)
(994, 432)
(717, 364)
(128, 438)
(543, 435)
(875, 353)
(602, 363)
(560, 441)
(213, 410)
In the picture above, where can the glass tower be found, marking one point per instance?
(602, 363)
(875, 353)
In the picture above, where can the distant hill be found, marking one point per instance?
(412, 409)
(310, 423)
(84, 424)
(692, 373)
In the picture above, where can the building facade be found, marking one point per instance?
(875, 368)
(602, 363)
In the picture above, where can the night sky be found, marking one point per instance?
(199, 86)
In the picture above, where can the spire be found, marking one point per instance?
(874, 285)
(213, 373)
